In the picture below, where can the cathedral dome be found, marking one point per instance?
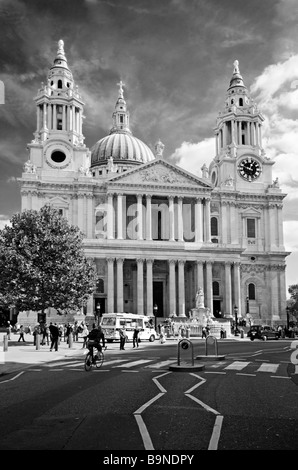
(120, 144)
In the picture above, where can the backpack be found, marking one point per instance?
(93, 334)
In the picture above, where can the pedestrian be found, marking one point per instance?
(222, 332)
(22, 331)
(204, 332)
(54, 332)
(68, 332)
(135, 337)
(45, 334)
(162, 336)
(123, 337)
(29, 330)
(9, 328)
(36, 332)
(85, 333)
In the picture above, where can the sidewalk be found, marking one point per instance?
(21, 355)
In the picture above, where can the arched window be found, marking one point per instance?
(59, 84)
(100, 286)
(251, 291)
(214, 227)
(240, 101)
(215, 288)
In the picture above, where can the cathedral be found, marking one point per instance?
(156, 232)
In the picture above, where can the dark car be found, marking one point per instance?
(263, 332)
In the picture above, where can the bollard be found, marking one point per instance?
(37, 337)
(5, 343)
(242, 334)
(70, 340)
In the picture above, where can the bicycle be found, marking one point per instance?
(92, 360)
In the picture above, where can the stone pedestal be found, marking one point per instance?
(201, 314)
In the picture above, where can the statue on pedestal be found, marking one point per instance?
(200, 298)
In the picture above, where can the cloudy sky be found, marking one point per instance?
(175, 58)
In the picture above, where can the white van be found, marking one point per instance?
(112, 322)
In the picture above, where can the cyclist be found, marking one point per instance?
(95, 337)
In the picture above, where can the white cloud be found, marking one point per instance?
(192, 156)
(3, 223)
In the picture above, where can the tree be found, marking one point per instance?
(42, 263)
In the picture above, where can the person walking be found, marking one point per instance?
(135, 337)
(123, 337)
(85, 334)
(54, 331)
(22, 331)
(162, 336)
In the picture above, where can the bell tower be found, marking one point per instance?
(58, 140)
(240, 160)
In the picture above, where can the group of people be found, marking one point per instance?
(124, 337)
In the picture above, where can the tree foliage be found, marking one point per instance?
(293, 291)
(42, 263)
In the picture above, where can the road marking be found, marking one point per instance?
(161, 388)
(237, 365)
(213, 444)
(197, 385)
(268, 368)
(144, 433)
(130, 371)
(134, 363)
(13, 378)
(158, 365)
(207, 407)
(248, 375)
(279, 377)
(214, 372)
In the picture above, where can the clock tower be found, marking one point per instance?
(240, 160)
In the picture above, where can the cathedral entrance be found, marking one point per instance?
(216, 309)
(158, 297)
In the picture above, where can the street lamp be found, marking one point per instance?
(236, 320)
(288, 314)
(97, 312)
(155, 310)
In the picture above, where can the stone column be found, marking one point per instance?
(110, 298)
(209, 286)
(207, 221)
(237, 299)
(148, 217)
(180, 219)
(110, 217)
(54, 117)
(200, 275)
(120, 217)
(63, 118)
(140, 286)
(198, 221)
(120, 284)
(81, 212)
(90, 214)
(172, 218)
(50, 117)
(149, 276)
(140, 217)
(228, 289)
(181, 284)
(224, 222)
(172, 286)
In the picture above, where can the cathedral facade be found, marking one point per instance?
(156, 232)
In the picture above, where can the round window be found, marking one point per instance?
(58, 156)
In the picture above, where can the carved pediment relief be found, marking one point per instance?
(157, 173)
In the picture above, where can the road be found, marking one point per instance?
(247, 401)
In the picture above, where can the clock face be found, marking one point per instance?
(249, 169)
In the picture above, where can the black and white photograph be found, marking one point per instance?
(148, 228)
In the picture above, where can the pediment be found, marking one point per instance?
(159, 172)
(58, 202)
(251, 212)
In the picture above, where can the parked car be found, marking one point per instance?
(263, 332)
